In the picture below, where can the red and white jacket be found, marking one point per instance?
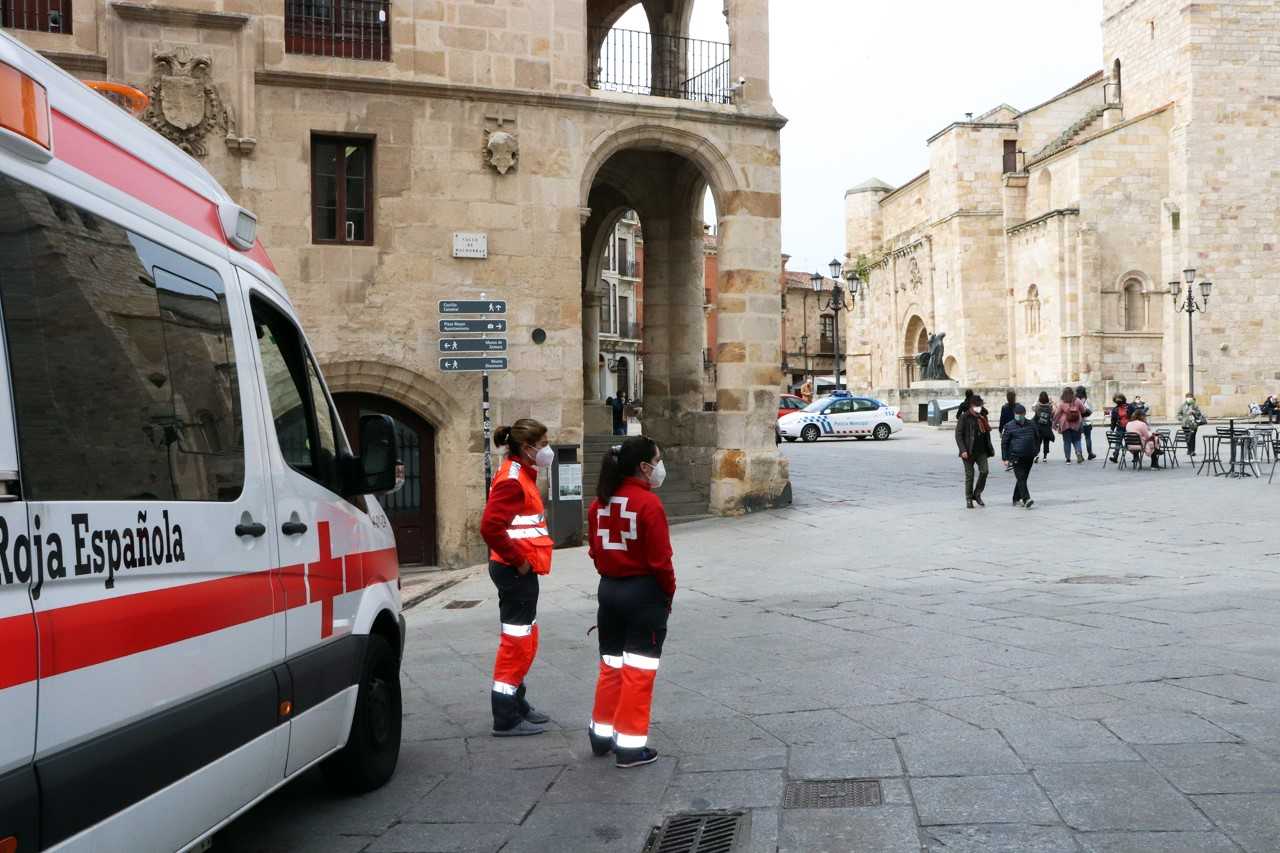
(630, 537)
(514, 525)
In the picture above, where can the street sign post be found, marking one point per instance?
(473, 306)
(472, 365)
(473, 345)
(454, 327)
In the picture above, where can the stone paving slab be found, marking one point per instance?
(981, 799)
(1157, 842)
(888, 829)
(1161, 728)
(1252, 820)
(999, 838)
(1117, 796)
(964, 753)
(1215, 768)
(867, 759)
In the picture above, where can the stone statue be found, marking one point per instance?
(934, 368)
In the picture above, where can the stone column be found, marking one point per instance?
(591, 300)
(749, 52)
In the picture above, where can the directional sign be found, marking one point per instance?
(473, 345)
(473, 306)
(456, 326)
(461, 365)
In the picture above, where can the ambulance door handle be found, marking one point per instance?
(293, 528)
(253, 528)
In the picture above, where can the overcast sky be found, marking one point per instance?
(865, 82)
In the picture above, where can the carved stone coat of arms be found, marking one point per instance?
(185, 104)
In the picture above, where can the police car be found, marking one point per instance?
(841, 414)
(199, 593)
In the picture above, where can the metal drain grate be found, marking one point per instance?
(700, 832)
(460, 604)
(831, 794)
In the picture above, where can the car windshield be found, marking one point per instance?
(818, 405)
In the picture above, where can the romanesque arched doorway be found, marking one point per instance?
(412, 508)
(915, 341)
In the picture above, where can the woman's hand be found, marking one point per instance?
(524, 568)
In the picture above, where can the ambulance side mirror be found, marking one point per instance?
(379, 456)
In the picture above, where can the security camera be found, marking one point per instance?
(742, 81)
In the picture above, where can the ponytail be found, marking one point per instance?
(525, 432)
(622, 461)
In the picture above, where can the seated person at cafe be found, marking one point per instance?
(1150, 441)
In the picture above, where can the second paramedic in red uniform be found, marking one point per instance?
(631, 547)
(515, 529)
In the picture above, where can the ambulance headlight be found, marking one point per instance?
(238, 225)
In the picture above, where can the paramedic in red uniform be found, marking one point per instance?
(515, 529)
(631, 547)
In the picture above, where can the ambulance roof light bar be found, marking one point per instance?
(238, 225)
(24, 115)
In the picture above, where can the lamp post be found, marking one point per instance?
(836, 303)
(1190, 306)
(804, 347)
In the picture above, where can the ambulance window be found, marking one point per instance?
(114, 370)
(299, 408)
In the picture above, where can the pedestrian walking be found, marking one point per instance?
(1086, 429)
(1006, 415)
(1019, 443)
(630, 544)
(618, 405)
(1068, 417)
(973, 437)
(515, 529)
(1044, 423)
(1190, 418)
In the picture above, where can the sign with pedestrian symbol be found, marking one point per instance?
(473, 345)
(473, 306)
(472, 365)
(464, 326)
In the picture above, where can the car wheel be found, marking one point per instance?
(373, 747)
(810, 433)
(881, 432)
(790, 437)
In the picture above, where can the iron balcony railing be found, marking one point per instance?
(349, 29)
(639, 63)
(43, 16)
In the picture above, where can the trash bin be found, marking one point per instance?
(564, 500)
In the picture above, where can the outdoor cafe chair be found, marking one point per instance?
(1210, 445)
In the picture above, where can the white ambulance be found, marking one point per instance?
(198, 591)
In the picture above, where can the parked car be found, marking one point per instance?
(840, 415)
(790, 403)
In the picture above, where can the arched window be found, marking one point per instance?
(1134, 306)
(1115, 77)
(1031, 311)
(1044, 191)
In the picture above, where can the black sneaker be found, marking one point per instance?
(533, 715)
(1028, 503)
(600, 746)
(968, 504)
(635, 757)
(524, 728)
(978, 500)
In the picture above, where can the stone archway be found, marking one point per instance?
(915, 340)
(663, 174)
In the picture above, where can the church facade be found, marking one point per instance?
(1042, 242)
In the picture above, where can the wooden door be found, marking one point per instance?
(411, 509)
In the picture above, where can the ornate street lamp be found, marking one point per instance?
(1190, 306)
(836, 303)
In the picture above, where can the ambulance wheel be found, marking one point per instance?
(810, 433)
(789, 437)
(881, 432)
(373, 747)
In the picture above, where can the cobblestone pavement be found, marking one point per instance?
(1098, 674)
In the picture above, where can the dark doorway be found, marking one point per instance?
(412, 509)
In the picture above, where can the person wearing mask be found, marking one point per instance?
(630, 544)
(1068, 418)
(1006, 415)
(1086, 428)
(1271, 409)
(1019, 443)
(1150, 442)
(1043, 416)
(973, 438)
(1190, 418)
(1119, 419)
(515, 529)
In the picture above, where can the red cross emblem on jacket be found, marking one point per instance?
(615, 525)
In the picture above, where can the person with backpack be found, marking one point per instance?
(1068, 418)
(1044, 423)
(1018, 444)
(1006, 415)
(1086, 429)
(1119, 420)
(973, 438)
(1190, 418)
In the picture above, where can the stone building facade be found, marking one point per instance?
(808, 333)
(1043, 241)
(621, 363)
(365, 133)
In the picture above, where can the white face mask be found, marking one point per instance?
(658, 474)
(544, 457)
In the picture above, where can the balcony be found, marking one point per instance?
(624, 332)
(348, 29)
(638, 63)
(42, 16)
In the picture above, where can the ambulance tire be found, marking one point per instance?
(369, 759)
(810, 433)
(881, 432)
